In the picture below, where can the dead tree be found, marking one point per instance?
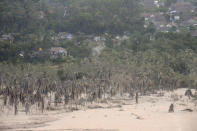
(42, 104)
(136, 98)
(16, 107)
(27, 107)
(66, 98)
(5, 100)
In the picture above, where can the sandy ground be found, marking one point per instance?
(151, 114)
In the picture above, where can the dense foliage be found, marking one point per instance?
(88, 16)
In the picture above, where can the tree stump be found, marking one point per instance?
(188, 93)
(171, 108)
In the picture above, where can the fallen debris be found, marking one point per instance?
(188, 110)
(137, 116)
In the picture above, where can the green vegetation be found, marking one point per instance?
(87, 16)
(145, 62)
(36, 21)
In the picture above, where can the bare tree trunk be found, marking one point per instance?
(15, 107)
(42, 104)
(136, 98)
(27, 108)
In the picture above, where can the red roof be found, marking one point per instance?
(57, 49)
(195, 18)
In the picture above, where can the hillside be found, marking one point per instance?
(62, 54)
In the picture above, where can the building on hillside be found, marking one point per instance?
(190, 22)
(41, 14)
(64, 36)
(61, 36)
(56, 52)
(176, 17)
(7, 37)
(194, 33)
(99, 38)
(160, 22)
(158, 19)
(184, 9)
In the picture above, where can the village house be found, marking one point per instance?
(149, 3)
(99, 38)
(184, 9)
(194, 33)
(158, 19)
(56, 52)
(176, 18)
(41, 14)
(62, 36)
(160, 22)
(190, 22)
(7, 37)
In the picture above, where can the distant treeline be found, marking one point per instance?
(86, 16)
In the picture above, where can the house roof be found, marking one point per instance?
(185, 8)
(195, 18)
(57, 49)
(194, 33)
(8, 37)
(190, 22)
(144, 14)
(159, 19)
